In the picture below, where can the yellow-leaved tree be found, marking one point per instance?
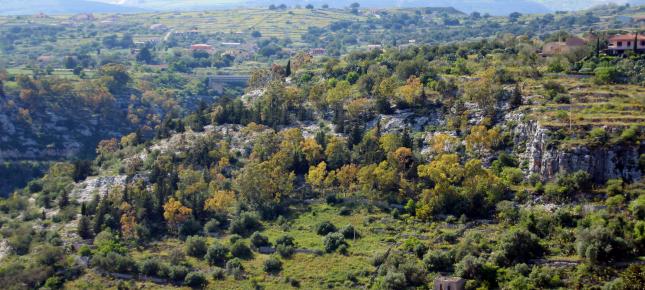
(175, 214)
(220, 201)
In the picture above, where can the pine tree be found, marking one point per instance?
(288, 70)
(83, 209)
(1, 89)
(84, 229)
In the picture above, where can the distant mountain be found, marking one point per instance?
(29, 7)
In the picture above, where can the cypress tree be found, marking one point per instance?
(63, 200)
(406, 140)
(84, 228)
(288, 70)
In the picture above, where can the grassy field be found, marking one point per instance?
(378, 230)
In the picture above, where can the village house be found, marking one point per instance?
(371, 47)
(449, 283)
(201, 47)
(561, 47)
(619, 44)
(317, 51)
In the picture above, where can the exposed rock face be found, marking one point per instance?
(546, 159)
(84, 191)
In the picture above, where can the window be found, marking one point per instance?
(643, 42)
(629, 43)
(448, 287)
(620, 43)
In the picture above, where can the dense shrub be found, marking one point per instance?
(519, 245)
(332, 241)
(285, 251)
(190, 228)
(258, 240)
(286, 240)
(240, 250)
(217, 254)
(394, 281)
(345, 211)
(212, 226)
(599, 245)
(196, 246)
(195, 280)
(325, 227)
(349, 232)
(272, 265)
(218, 273)
(114, 262)
(234, 267)
(177, 273)
(245, 224)
(149, 267)
(437, 260)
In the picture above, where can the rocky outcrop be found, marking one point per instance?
(101, 185)
(546, 158)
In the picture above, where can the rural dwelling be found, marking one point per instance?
(619, 44)
(561, 47)
(317, 51)
(449, 283)
(371, 47)
(202, 47)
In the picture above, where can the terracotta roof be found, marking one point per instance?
(625, 37)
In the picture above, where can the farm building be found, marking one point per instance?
(449, 283)
(560, 47)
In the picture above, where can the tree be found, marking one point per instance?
(410, 93)
(337, 153)
(287, 71)
(115, 77)
(175, 214)
(128, 221)
(312, 150)
(220, 201)
(481, 140)
(84, 229)
(264, 184)
(316, 176)
(144, 56)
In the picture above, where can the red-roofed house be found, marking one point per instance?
(201, 46)
(619, 44)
